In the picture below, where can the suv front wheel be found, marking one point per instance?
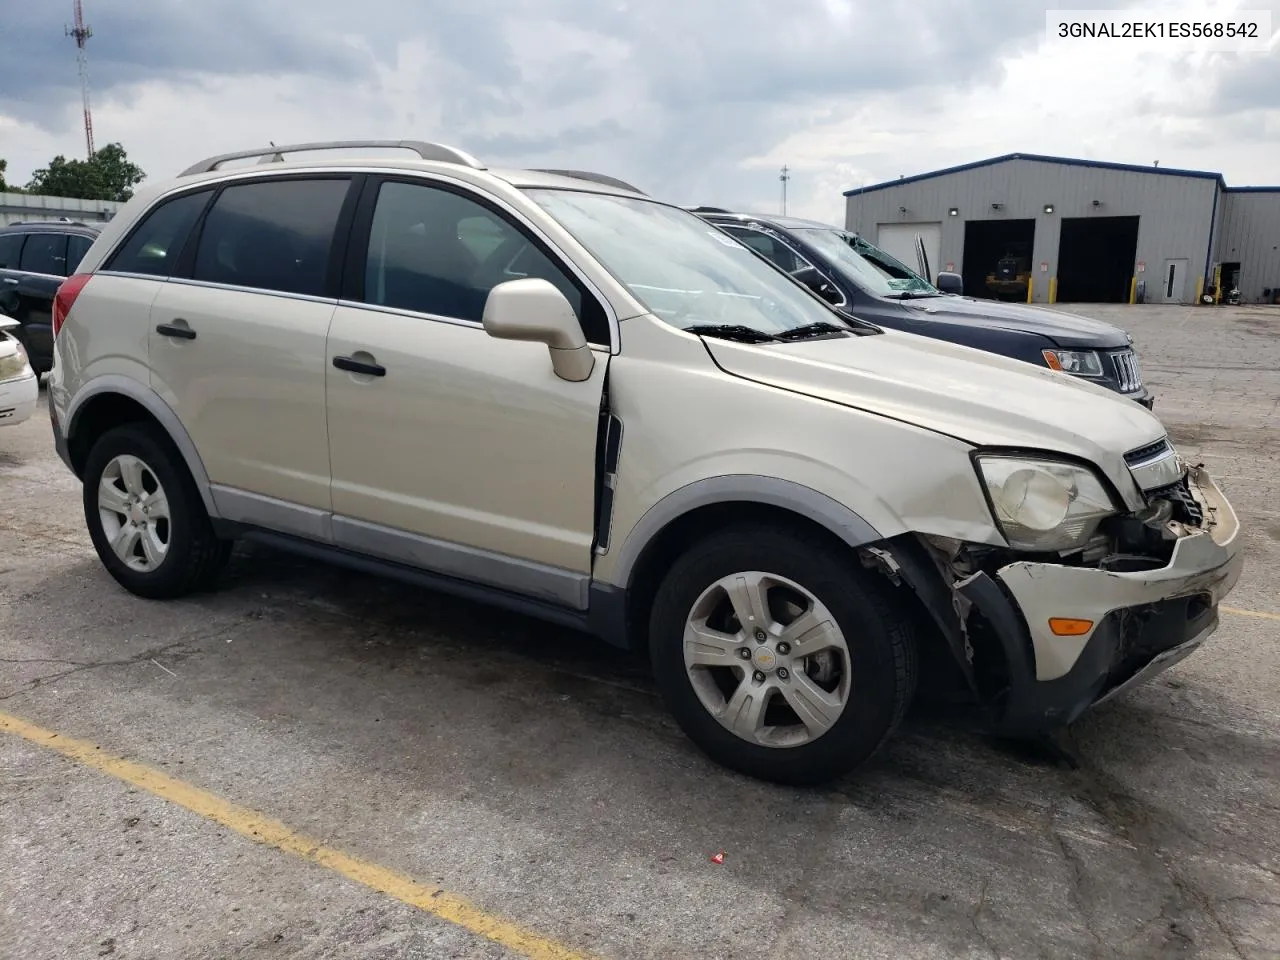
(145, 516)
(780, 656)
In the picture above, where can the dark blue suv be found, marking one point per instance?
(863, 281)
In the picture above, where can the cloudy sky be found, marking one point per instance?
(699, 101)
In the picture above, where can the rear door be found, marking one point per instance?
(10, 255)
(466, 454)
(44, 267)
(237, 346)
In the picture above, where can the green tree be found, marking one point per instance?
(4, 164)
(107, 175)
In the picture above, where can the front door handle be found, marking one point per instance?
(353, 365)
(173, 330)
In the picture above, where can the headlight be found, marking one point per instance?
(1044, 505)
(14, 364)
(1082, 363)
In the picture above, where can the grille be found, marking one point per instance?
(1185, 507)
(1149, 452)
(1128, 375)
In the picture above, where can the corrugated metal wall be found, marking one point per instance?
(15, 207)
(1175, 211)
(1251, 235)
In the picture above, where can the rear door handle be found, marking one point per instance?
(11, 280)
(353, 365)
(173, 330)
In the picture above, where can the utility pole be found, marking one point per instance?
(81, 33)
(784, 177)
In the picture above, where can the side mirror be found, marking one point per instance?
(950, 283)
(816, 282)
(533, 309)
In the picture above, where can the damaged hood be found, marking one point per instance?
(975, 396)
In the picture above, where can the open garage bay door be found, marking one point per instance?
(997, 258)
(899, 241)
(1096, 259)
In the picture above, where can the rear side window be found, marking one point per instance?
(10, 248)
(45, 253)
(77, 247)
(157, 242)
(272, 236)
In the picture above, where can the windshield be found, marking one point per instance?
(865, 264)
(684, 270)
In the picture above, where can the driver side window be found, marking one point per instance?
(778, 253)
(438, 252)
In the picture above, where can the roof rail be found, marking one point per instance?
(273, 154)
(595, 178)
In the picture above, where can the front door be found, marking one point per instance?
(457, 452)
(1174, 286)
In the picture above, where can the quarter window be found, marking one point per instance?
(275, 235)
(45, 253)
(437, 252)
(157, 242)
(10, 248)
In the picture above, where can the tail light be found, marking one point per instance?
(65, 298)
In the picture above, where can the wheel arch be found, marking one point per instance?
(706, 505)
(111, 400)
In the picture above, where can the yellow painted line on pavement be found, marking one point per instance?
(262, 829)
(1261, 615)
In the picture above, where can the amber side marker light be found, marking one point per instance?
(1067, 627)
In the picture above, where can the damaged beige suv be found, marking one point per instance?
(550, 391)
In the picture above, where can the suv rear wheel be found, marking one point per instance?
(145, 516)
(780, 656)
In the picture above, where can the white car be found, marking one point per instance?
(550, 391)
(19, 385)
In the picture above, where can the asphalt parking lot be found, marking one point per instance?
(441, 780)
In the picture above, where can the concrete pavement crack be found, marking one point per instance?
(1078, 876)
(79, 667)
(977, 914)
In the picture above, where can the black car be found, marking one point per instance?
(860, 279)
(34, 260)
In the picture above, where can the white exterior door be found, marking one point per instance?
(1173, 286)
(899, 241)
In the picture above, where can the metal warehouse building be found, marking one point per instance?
(1048, 229)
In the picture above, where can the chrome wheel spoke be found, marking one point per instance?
(705, 647)
(747, 593)
(152, 547)
(817, 709)
(812, 631)
(111, 497)
(131, 469)
(125, 542)
(744, 713)
(157, 505)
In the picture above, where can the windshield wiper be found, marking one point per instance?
(818, 329)
(911, 295)
(731, 331)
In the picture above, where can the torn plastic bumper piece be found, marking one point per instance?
(1144, 620)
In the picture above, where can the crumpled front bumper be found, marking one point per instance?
(1145, 620)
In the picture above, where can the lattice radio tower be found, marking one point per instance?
(82, 33)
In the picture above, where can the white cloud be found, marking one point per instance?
(698, 102)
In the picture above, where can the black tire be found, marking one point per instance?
(879, 630)
(195, 555)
